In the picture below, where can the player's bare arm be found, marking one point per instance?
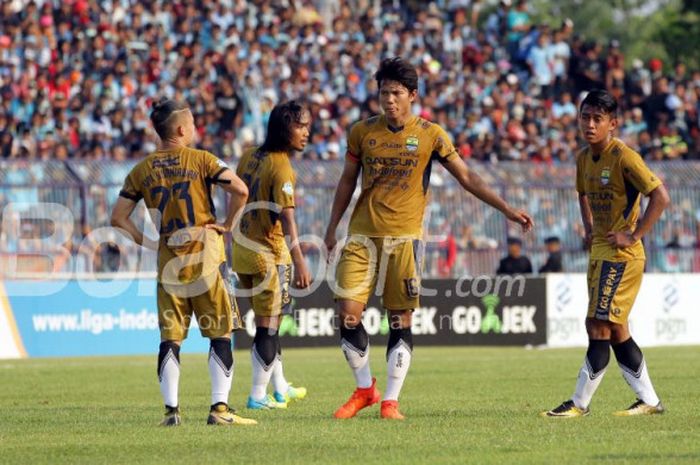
(658, 201)
(343, 195)
(587, 219)
(121, 218)
(302, 276)
(473, 183)
(239, 195)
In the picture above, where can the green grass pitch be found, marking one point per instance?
(464, 405)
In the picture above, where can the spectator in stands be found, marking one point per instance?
(514, 262)
(554, 259)
(82, 74)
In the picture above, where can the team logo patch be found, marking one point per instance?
(412, 287)
(287, 188)
(605, 176)
(221, 163)
(412, 143)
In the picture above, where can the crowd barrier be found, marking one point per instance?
(111, 317)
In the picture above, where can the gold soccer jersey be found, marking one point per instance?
(613, 182)
(178, 183)
(396, 167)
(270, 180)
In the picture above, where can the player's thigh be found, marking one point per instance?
(216, 309)
(356, 273)
(403, 271)
(174, 315)
(613, 288)
(270, 290)
(627, 291)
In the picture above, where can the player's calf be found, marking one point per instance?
(220, 369)
(169, 379)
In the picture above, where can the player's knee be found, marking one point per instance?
(400, 319)
(619, 334)
(597, 329)
(221, 348)
(265, 345)
(401, 337)
(598, 354)
(355, 336)
(169, 350)
(350, 313)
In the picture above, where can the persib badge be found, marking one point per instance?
(287, 188)
(605, 176)
(412, 143)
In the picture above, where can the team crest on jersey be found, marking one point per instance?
(605, 176)
(221, 163)
(412, 143)
(287, 188)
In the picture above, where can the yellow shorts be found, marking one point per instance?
(392, 265)
(612, 289)
(215, 309)
(272, 298)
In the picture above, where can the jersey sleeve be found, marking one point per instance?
(443, 149)
(354, 152)
(283, 185)
(213, 166)
(130, 189)
(638, 173)
(579, 173)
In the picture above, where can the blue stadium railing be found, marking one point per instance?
(89, 189)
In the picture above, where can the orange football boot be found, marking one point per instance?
(390, 410)
(361, 398)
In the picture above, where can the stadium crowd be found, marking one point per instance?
(77, 77)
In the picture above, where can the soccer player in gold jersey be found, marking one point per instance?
(261, 257)
(611, 178)
(394, 152)
(175, 183)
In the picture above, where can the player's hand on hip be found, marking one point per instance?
(520, 217)
(220, 228)
(620, 239)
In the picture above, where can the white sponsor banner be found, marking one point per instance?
(666, 311)
(567, 301)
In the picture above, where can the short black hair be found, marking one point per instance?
(399, 70)
(514, 240)
(161, 112)
(602, 100)
(552, 240)
(279, 126)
